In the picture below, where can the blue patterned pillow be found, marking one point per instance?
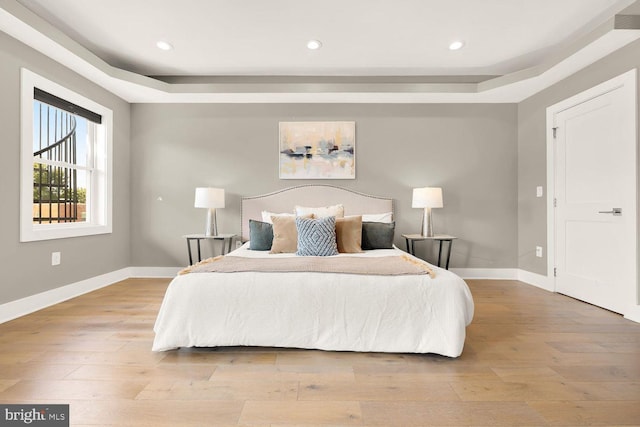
(317, 237)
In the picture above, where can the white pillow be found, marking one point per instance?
(266, 216)
(386, 217)
(321, 212)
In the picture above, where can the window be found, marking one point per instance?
(65, 162)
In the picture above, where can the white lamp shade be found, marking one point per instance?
(207, 197)
(427, 197)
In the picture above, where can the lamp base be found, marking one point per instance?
(212, 226)
(427, 223)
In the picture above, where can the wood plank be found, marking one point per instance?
(527, 374)
(619, 413)
(5, 384)
(35, 370)
(418, 413)
(142, 372)
(211, 356)
(158, 413)
(323, 412)
(609, 391)
(282, 373)
(630, 373)
(33, 390)
(376, 389)
(450, 372)
(122, 357)
(499, 391)
(223, 390)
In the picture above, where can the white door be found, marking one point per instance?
(595, 192)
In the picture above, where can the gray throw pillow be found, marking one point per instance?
(260, 235)
(317, 237)
(377, 235)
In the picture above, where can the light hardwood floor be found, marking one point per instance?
(531, 358)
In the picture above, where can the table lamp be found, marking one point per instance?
(427, 198)
(210, 198)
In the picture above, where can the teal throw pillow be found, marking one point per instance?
(260, 235)
(377, 235)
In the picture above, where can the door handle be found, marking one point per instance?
(614, 211)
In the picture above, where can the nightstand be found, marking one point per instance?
(226, 239)
(412, 238)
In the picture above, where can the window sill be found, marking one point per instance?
(61, 231)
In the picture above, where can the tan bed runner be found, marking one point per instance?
(378, 266)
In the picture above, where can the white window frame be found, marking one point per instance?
(99, 196)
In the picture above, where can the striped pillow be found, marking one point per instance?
(317, 237)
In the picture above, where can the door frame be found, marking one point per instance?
(628, 82)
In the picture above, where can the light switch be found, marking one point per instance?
(539, 191)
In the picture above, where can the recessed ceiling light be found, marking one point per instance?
(164, 45)
(456, 45)
(314, 44)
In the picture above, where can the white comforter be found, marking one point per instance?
(403, 314)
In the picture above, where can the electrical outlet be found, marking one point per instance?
(238, 244)
(539, 191)
(539, 251)
(55, 258)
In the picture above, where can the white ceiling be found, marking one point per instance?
(385, 51)
(360, 37)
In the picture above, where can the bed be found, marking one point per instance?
(311, 308)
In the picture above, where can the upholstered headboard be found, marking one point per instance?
(313, 196)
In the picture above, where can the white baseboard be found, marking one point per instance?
(27, 305)
(24, 306)
(154, 272)
(633, 314)
(487, 273)
(547, 283)
(538, 280)
(527, 277)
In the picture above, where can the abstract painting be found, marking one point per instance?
(317, 150)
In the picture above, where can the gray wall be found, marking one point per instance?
(26, 267)
(532, 169)
(488, 159)
(469, 150)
